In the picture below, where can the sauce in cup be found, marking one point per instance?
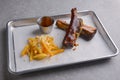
(46, 24)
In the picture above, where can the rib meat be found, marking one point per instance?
(73, 30)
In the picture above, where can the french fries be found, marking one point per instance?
(41, 47)
(24, 51)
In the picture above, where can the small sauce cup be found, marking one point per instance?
(46, 24)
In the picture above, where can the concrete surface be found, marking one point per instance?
(107, 10)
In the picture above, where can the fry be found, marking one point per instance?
(57, 51)
(24, 51)
(31, 56)
(40, 56)
(41, 47)
(46, 47)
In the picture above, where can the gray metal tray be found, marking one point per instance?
(100, 47)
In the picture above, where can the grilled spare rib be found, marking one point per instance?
(73, 30)
(64, 25)
(87, 32)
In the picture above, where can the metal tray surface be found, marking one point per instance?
(100, 47)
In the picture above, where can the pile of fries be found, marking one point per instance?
(41, 47)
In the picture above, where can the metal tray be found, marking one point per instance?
(100, 47)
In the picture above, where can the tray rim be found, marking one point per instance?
(26, 71)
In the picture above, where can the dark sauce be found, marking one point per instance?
(46, 21)
(71, 32)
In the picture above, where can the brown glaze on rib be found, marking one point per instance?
(62, 24)
(73, 30)
(87, 32)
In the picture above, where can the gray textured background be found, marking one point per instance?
(107, 10)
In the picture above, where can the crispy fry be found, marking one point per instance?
(45, 47)
(24, 51)
(41, 47)
(31, 56)
(40, 56)
(57, 51)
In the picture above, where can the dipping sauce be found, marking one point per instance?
(46, 21)
(46, 24)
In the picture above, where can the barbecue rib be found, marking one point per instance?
(73, 30)
(87, 32)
